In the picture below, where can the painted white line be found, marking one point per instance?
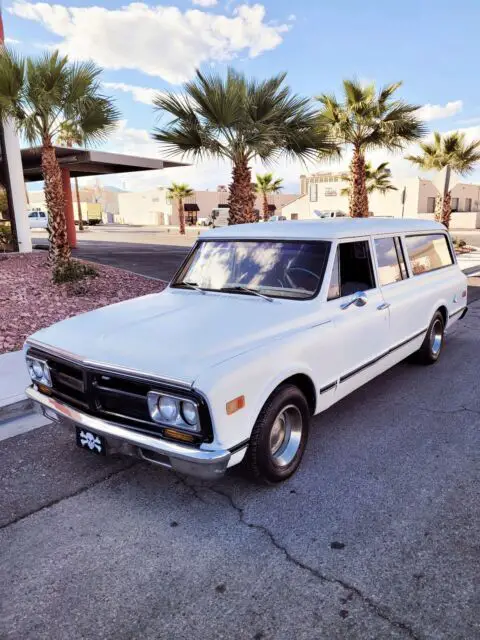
(23, 424)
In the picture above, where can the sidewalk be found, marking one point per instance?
(469, 263)
(14, 379)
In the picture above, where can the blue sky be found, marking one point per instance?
(430, 45)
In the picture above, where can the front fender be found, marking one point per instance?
(255, 375)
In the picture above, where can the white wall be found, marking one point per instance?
(380, 205)
(144, 208)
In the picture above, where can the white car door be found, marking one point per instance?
(357, 309)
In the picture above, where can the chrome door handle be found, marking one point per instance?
(383, 306)
(359, 299)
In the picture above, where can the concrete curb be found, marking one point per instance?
(15, 410)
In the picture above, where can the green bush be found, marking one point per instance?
(6, 236)
(73, 271)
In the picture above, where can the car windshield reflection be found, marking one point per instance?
(283, 269)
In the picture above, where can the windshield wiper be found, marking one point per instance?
(253, 292)
(191, 285)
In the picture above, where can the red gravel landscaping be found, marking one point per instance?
(30, 301)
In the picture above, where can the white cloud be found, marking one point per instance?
(11, 41)
(205, 3)
(139, 94)
(438, 111)
(159, 40)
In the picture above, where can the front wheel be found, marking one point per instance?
(279, 436)
(432, 346)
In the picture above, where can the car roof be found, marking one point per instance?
(328, 229)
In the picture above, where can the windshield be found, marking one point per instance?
(284, 269)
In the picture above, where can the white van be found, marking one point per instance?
(38, 219)
(294, 316)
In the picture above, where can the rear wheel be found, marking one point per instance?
(432, 345)
(279, 436)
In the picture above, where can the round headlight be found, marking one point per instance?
(37, 369)
(168, 408)
(189, 413)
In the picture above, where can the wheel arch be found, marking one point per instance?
(301, 379)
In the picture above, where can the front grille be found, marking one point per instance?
(113, 396)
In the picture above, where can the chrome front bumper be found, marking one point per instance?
(201, 463)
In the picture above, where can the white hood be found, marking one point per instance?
(177, 333)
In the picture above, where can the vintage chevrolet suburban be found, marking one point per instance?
(263, 327)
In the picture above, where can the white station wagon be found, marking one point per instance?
(263, 327)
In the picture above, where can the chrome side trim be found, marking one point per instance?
(370, 363)
(172, 450)
(104, 366)
(455, 313)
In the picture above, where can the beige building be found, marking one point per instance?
(414, 197)
(105, 197)
(154, 207)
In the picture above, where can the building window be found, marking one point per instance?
(468, 204)
(428, 252)
(430, 205)
(313, 192)
(454, 204)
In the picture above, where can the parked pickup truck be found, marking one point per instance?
(288, 318)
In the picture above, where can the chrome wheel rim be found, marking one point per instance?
(286, 435)
(436, 337)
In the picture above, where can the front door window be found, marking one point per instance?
(352, 270)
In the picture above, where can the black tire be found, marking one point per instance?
(286, 406)
(432, 345)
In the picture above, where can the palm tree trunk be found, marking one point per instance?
(265, 208)
(447, 200)
(181, 216)
(358, 191)
(241, 199)
(59, 251)
(79, 206)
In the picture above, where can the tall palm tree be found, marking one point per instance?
(41, 95)
(179, 191)
(452, 153)
(265, 185)
(240, 119)
(68, 136)
(365, 120)
(376, 179)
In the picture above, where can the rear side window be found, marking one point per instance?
(428, 252)
(352, 270)
(391, 267)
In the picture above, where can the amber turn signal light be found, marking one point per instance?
(235, 405)
(178, 435)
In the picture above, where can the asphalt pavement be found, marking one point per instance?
(152, 260)
(375, 537)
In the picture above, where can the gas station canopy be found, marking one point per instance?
(82, 163)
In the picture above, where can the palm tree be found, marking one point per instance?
(265, 185)
(367, 120)
(375, 179)
(451, 153)
(68, 136)
(239, 120)
(41, 95)
(179, 191)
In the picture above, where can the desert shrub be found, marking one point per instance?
(73, 271)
